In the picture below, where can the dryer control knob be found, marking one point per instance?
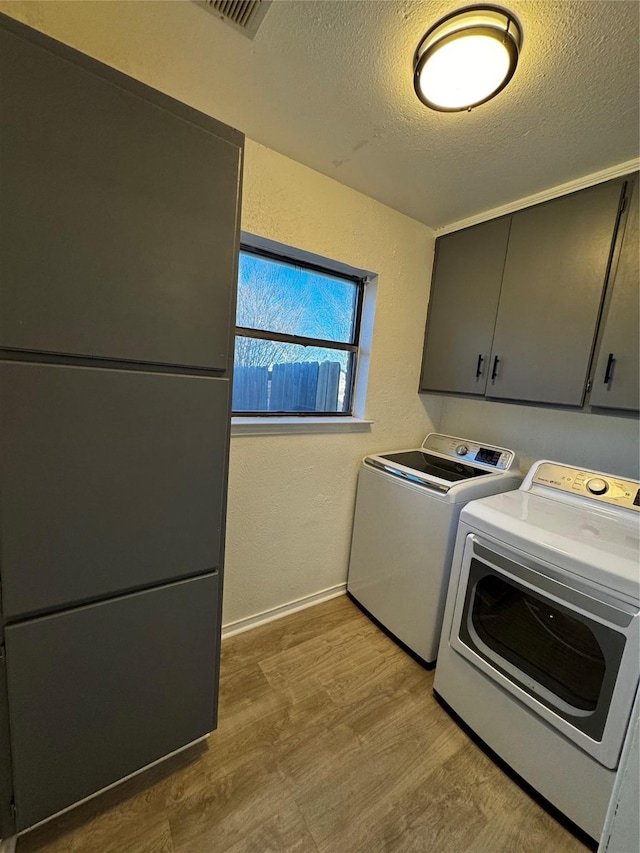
(597, 486)
(462, 450)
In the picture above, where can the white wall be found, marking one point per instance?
(600, 442)
(291, 496)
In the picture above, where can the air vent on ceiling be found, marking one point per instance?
(245, 16)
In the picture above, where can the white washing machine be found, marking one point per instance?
(407, 508)
(540, 648)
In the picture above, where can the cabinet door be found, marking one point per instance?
(112, 480)
(462, 308)
(551, 296)
(616, 379)
(119, 218)
(98, 692)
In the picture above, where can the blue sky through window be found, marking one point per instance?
(279, 297)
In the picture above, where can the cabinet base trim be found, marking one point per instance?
(241, 625)
(8, 841)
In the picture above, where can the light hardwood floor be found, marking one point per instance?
(329, 741)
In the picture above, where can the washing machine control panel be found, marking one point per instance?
(470, 452)
(589, 484)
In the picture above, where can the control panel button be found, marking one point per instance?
(488, 456)
(462, 450)
(597, 486)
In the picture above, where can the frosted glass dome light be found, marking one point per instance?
(466, 58)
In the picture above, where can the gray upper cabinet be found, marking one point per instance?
(516, 301)
(616, 378)
(464, 298)
(112, 246)
(551, 296)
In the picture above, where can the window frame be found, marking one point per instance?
(360, 281)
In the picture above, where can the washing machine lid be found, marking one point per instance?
(434, 466)
(445, 461)
(597, 543)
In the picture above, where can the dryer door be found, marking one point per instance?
(567, 652)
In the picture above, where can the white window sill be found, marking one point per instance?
(306, 425)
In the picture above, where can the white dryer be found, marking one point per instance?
(541, 638)
(407, 508)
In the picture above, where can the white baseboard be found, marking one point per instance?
(250, 622)
(8, 845)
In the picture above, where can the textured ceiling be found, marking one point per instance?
(329, 83)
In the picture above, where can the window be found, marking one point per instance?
(296, 337)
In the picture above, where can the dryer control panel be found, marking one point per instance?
(589, 484)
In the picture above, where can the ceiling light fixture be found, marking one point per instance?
(466, 58)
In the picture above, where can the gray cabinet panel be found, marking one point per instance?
(551, 296)
(99, 692)
(119, 218)
(619, 352)
(462, 307)
(111, 480)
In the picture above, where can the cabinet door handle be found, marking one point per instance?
(610, 364)
(494, 372)
(479, 366)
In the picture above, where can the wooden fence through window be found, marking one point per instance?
(302, 386)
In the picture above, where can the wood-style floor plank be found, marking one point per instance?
(329, 741)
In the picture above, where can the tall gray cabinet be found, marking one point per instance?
(119, 235)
